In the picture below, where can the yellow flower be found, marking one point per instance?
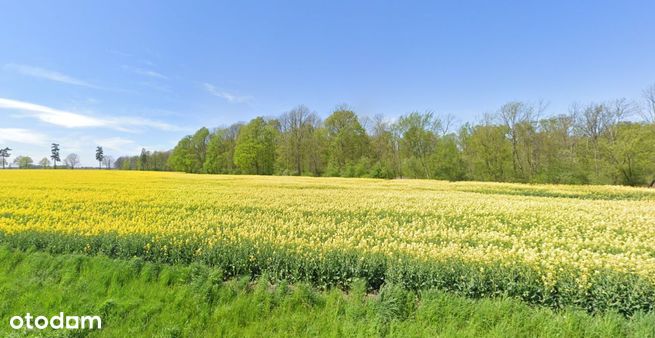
(592, 229)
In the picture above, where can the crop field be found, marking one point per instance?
(591, 247)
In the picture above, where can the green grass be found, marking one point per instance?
(139, 298)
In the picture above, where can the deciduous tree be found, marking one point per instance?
(23, 162)
(72, 160)
(255, 148)
(44, 163)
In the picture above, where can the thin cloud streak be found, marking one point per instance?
(47, 75)
(68, 119)
(147, 72)
(211, 89)
(151, 73)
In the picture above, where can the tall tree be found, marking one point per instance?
(596, 123)
(630, 153)
(418, 140)
(143, 159)
(158, 160)
(190, 153)
(486, 151)
(255, 149)
(4, 154)
(448, 160)
(559, 152)
(199, 142)
(220, 150)
(54, 154)
(181, 157)
(296, 127)
(99, 156)
(384, 150)
(519, 119)
(317, 150)
(347, 140)
(592, 121)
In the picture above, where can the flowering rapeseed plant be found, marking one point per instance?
(545, 243)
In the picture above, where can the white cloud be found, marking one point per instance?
(119, 53)
(211, 89)
(121, 146)
(143, 122)
(68, 119)
(52, 75)
(19, 135)
(151, 73)
(53, 116)
(147, 72)
(47, 74)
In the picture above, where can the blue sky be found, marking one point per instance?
(132, 74)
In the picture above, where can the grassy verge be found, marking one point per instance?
(606, 290)
(139, 298)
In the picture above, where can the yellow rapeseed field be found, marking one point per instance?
(553, 230)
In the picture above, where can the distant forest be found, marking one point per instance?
(597, 143)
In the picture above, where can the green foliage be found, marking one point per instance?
(100, 155)
(487, 152)
(189, 154)
(255, 147)
(592, 145)
(220, 151)
(630, 154)
(384, 150)
(608, 290)
(301, 144)
(137, 298)
(181, 158)
(4, 154)
(23, 162)
(147, 160)
(54, 154)
(449, 163)
(347, 144)
(418, 142)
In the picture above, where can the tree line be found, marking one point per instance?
(595, 143)
(71, 161)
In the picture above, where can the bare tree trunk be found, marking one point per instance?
(298, 159)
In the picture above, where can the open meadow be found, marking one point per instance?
(590, 248)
